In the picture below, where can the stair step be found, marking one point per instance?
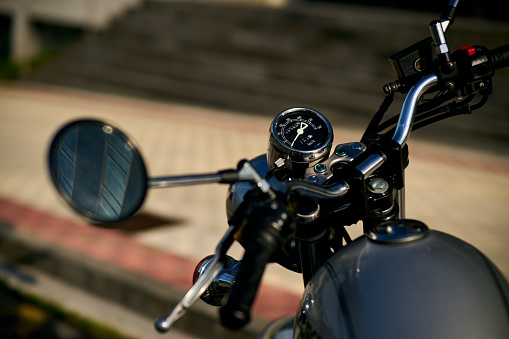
(254, 59)
(211, 86)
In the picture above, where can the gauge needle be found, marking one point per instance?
(300, 131)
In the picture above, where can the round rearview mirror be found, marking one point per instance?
(98, 170)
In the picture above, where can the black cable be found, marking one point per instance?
(438, 100)
(421, 109)
(377, 118)
(481, 103)
(441, 113)
(449, 114)
(460, 108)
(428, 110)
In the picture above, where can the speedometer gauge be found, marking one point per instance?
(300, 137)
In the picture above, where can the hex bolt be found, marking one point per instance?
(378, 186)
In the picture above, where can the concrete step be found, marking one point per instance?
(236, 84)
(260, 59)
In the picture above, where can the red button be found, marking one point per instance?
(469, 49)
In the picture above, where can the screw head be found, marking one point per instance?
(313, 178)
(451, 86)
(341, 152)
(320, 168)
(378, 186)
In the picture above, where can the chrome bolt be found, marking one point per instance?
(378, 186)
(356, 146)
(320, 168)
(313, 178)
(341, 152)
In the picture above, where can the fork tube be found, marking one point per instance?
(400, 199)
(313, 255)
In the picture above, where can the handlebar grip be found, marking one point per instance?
(236, 313)
(500, 56)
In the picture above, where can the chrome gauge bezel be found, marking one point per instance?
(295, 158)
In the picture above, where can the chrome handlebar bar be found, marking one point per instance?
(406, 118)
(404, 126)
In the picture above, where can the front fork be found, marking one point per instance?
(400, 200)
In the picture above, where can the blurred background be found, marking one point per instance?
(253, 56)
(197, 84)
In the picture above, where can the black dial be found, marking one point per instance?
(299, 136)
(302, 131)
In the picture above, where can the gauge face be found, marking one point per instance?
(302, 131)
(299, 136)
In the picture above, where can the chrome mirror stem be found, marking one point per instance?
(184, 180)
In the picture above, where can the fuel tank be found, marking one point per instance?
(403, 280)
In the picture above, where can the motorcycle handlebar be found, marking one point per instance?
(499, 59)
(500, 56)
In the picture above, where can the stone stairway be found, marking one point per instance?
(255, 59)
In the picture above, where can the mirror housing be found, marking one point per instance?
(98, 170)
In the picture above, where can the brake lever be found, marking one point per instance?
(164, 324)
(245, 171)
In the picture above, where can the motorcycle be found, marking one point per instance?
(293, 205)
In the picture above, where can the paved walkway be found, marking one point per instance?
(458, 191)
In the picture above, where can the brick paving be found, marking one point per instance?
(115, 248)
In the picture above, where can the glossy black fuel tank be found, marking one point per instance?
(405, 281)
